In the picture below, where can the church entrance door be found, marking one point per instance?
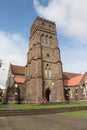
(48, 94)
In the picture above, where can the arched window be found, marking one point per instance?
(84, 90)
(42, 39)
(50, 27)
(46, 40)
(51, 41)
(48, 72)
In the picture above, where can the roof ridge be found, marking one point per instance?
(17, 65)
(77, 76)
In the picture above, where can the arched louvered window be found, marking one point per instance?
(51, 41)
(42, 25)
(50, 27)
(46, 40)
(42, 39)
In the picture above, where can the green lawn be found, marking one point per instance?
(1, 107)
(81, 114)
(28, 106)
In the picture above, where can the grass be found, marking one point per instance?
(80, 114)
(1, 107)
(45, 106)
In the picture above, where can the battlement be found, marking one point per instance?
(44, 20)
(43, 24)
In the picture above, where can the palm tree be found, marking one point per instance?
(1, 63)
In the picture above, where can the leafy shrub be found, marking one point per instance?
(0, 99)
(0, 94)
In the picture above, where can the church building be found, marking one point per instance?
(43, 76)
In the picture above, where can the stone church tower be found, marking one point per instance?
(44, 68)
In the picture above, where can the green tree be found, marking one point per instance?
(0, 90)
(0, 94)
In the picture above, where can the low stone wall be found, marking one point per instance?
(40, 111)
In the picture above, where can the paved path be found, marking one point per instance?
(42, 122)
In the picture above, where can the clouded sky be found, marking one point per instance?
(16, 18)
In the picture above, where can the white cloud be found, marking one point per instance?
(71, 20)
(13, 49)
(74, 59)
(2, 87)
(69, 15)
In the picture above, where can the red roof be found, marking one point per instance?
(19, 70)
(19, 80)
(73, 81)
(69, 75)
